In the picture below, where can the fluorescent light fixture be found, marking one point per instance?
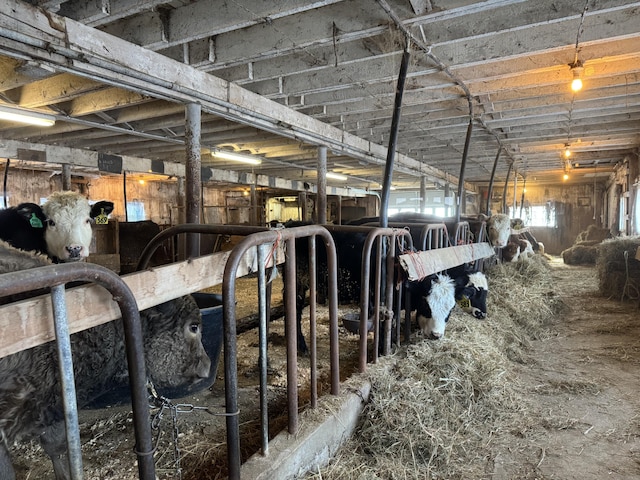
(336, 176)
(25, 116)
(236, 157)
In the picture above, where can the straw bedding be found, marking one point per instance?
(436, 405)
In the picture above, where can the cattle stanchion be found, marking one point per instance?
(230, 347)
(373, 236)
(58, 275)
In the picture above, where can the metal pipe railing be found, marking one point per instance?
(211, 229)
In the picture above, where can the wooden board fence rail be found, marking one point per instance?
(421, 264)
(29, 323)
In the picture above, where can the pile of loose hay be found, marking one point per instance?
(436, 405)
(619, 277)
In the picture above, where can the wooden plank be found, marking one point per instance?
(29, 323)
(421, 264)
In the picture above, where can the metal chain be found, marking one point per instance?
(163, 404)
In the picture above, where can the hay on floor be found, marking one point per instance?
(619, 274)
(436, 405)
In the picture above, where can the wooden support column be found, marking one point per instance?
(193, 115)
(321, 203)
(423, 193)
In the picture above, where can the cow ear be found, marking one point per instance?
(102, 207)
(33, 214)
(465, 292)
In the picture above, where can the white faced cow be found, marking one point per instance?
(433, 298)
(499, 229)
(62, 226)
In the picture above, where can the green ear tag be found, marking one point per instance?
(34, 221)
(102, 219)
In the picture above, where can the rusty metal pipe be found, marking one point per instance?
(262, 340)
(155, 242)
(313, 344)
(493, 176)
(291, 333)
(67, 381)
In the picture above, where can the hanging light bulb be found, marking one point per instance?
(576, 69)
(567, 150)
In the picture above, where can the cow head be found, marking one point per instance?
(471, 294)
(174, 352)
(68, 224)
(511, 252)
(499, 229)
(436, 301)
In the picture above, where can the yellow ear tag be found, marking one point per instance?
(102, 219)
(464, 303)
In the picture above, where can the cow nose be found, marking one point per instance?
(74, 250)
(435, 335)
(479, 314)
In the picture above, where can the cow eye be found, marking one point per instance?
(50, 223)
(194, 328)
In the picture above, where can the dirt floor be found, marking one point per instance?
(584, 383)
(580, 407)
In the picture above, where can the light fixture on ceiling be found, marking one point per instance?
(565, 177)
(336, 176)
(577, 69)
(25, 116)
(235, 157)
(567, 151)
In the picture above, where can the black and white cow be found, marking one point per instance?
(471, 290)
(61, 228)
(433, 299)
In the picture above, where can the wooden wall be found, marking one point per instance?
(576, 207)
(164, 200)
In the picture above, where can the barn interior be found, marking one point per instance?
(247, 113)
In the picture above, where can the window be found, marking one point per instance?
(541, 215)
(135, 211)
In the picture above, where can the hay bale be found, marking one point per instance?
(618, 277)
(580, 255)
(593, 233)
